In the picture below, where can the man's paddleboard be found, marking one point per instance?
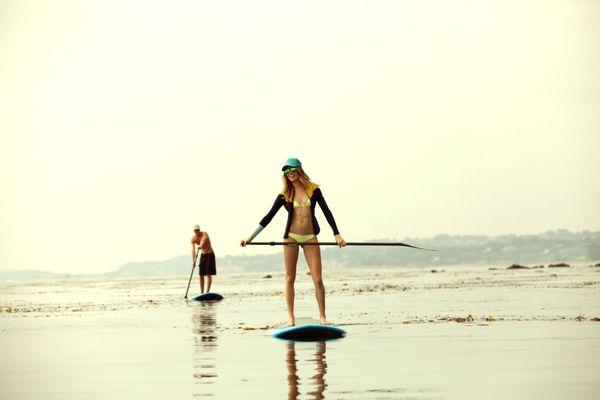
(207, 297)
(309, 332)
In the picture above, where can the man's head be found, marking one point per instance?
(196, 228)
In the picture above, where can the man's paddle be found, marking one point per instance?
(399, 244)
(192, 274)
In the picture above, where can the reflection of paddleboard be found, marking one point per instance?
(309, 332)
(207, 297)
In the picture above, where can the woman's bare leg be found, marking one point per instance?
(290, 259)
(313, 259)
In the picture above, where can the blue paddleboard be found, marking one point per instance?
(309, 332)
(207, 297)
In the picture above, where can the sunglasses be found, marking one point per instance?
(290, 170)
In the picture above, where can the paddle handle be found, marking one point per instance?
(396, 244)
(192, 273)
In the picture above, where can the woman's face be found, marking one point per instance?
(292, 175)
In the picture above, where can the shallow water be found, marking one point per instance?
(400, 343)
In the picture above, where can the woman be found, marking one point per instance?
(299, 197)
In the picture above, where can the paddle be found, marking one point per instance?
(398, 244)
(192, 274)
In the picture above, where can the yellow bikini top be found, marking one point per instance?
(306, 204)
(309, 191)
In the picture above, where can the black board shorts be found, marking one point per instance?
(208, 264)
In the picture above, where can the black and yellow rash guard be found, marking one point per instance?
(315, 196)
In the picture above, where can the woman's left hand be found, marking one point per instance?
(340, 240)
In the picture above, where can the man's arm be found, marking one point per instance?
(193, 252)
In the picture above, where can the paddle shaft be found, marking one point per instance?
(192, 274)
(396, 244)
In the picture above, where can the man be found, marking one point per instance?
(208, 265)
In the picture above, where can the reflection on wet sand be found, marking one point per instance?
(317, 380)
(205, 344)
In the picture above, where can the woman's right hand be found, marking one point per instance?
(244, 242)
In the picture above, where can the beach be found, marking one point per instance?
(414, 151)
(420, 333)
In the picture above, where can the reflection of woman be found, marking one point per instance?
(300, 197)
(292, 376)
(318, 378)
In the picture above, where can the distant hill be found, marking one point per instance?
(174, 266)
(548, 247)
(551, 246)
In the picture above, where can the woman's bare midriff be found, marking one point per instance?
(301, 221)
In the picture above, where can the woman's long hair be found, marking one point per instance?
(288, 188)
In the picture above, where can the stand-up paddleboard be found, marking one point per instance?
(309, 332)
(207, 297)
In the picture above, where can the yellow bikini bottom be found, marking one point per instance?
(301, 238)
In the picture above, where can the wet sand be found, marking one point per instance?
(466, 332)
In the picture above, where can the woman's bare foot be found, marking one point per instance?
(324, 321)
(291, 321)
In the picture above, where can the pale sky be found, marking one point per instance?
(123, 123)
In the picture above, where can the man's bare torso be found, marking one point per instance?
(203, 241)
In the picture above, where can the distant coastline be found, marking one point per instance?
(549, 247)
